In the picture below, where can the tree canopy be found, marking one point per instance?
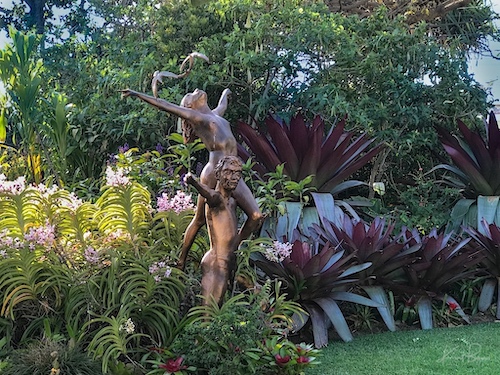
(394, 77)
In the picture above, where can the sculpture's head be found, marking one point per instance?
(228, 172)
(192, 100)
(195, 100)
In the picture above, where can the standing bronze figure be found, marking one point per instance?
(219, 263)
(199, 121)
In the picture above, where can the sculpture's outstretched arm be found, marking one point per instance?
(163, 105)
(222, 106)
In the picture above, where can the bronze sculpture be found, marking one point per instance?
(199, 121)
(219, 262)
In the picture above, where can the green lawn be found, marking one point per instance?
(465, 350)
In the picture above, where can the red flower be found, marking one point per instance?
(303, 359)
(281, 361)
(173, 365)
(453, 306)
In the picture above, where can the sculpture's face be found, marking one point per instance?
(196, 99)
(230, 176)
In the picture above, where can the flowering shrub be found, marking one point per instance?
(175, 366)
(178, 203)
(85, 268)
(287, 358)
(278, 252)
(243, 336)
(160, 270)
(117, 176)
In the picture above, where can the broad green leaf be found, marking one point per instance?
(355, 269)
(486, 209)
(354, 298)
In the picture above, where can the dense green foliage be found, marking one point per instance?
(395, 81)
(91, 277)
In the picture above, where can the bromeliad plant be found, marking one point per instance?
(489, 242)
(442, 261)
(317, 277)
(374, 244)
(306, 151)
(477, 168)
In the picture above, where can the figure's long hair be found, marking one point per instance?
(188, 133)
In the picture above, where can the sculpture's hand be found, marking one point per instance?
(158, 77)
(127, 92)
(189, 178)
(190, 58)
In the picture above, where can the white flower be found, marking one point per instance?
(180, 202)
(128, 326)
(118, 177)
(278, 252)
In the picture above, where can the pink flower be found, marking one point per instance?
(303, 359)
(278, 252)
(282, 361)
(173, 365)
(43, 235)
(180, 202)
(117, 178)
(91, 255)
(160, 270)
(15, 187)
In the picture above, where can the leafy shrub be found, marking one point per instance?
(51, 357)
(243, 336)
(489, 243)
(442, 260)
(476, 171)
(375, 244)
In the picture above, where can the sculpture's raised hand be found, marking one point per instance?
(189, 178)
(127, 92)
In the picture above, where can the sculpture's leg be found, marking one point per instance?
(249, 205)
(194, 226)
(216, 272)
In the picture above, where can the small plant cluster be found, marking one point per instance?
(247, 335)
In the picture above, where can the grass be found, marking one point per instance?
(466, 350)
